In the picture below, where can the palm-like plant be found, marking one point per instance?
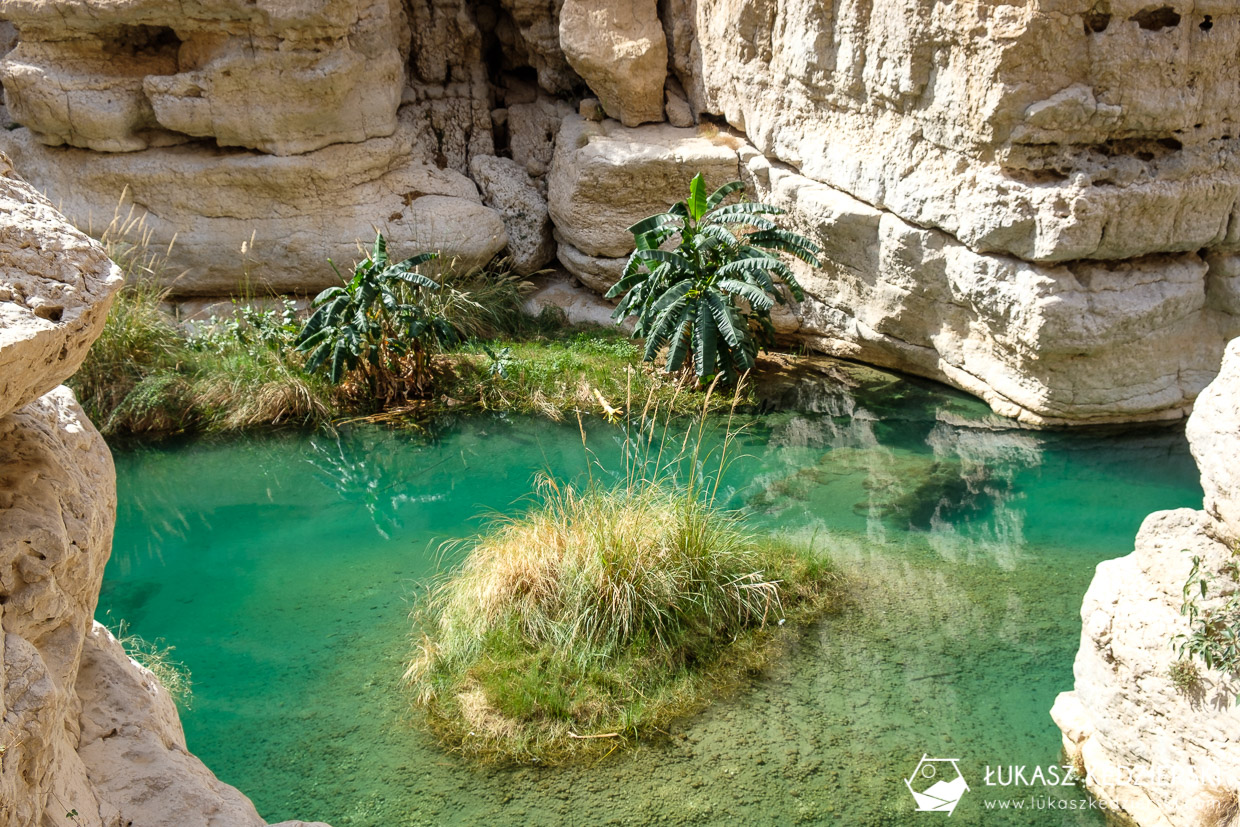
(685, 298)
(380, 323)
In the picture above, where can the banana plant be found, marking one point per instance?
(375, 321)
(709, 295)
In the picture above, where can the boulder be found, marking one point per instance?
(251, 221)
(507, 188)
(596, 272)
(620, 50)
(606, 177)
(56, 286)
(57, 505)
(281, 78)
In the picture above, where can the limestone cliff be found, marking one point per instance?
(1125, 718)
(87, 736)
(1031, 202)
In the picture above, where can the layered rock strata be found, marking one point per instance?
(240, 221)
(277, 77)
(87, 736)
(265, 138)
(1165, 755)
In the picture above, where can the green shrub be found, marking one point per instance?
(1185, 676)
(710, 297)
(379, 325)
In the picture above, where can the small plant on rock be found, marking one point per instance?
(710, 297)
(1185, 676)
(380, 325)
(1214, 625)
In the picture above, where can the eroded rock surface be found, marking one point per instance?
(291, 214)
(56, 286)
(86, 735)
(1125, 717)
(57, 506)
(1036, 204)
(507, 188)
(1049, 343)
(278, 77)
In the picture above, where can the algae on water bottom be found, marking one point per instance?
(281, 568)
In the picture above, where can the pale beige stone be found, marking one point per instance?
(291, 214)
(57, 506)
(281, 78)
(1049, 132)
(56, 286)
(620, 50)
(507, 188)
(606, 177)
(598, 273)
(1082, 342)
(1214, 433)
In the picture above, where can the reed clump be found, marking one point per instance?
(603, 613)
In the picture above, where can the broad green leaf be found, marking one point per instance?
(654, 222)
(697, 197)
(757, 298)
(705, 337)
(721, 310)
(716, 198)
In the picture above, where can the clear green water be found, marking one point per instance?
(282, 570)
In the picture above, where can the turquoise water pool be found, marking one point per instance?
(282, 569)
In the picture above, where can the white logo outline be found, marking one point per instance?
(941, 796)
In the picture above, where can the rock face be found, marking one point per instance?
(278, 77)
(507, 188)
(82, 727)
(1125, 717)
(892, 293)
(291, 213)
(56, 286)
(148, 97)
(604, 178)
(620, 50)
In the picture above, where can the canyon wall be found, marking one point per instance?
(1168, 756)
(1034, 203)
(87, 736)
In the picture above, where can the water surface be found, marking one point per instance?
(282, 568)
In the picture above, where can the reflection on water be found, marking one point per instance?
(282, 570)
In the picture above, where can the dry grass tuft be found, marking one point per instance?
(1220, 807)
